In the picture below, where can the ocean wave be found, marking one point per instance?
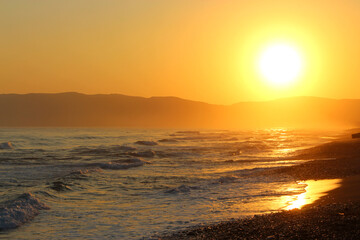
(65, 183)
(121, 164)
(19, 211)
(202, 138)
(146, 143)
(180, 189)
(91, 150)
(197, 136)
(168, 140)
(86, 137)
(60, 186)
(147, 154)
(46, 194)
(249, 171)
(250, 159)
(82, 173)
(152, 179)
(102, 150)
(123, 148)
(175, 154)
(248, 147)
(227, 179)
(230, 139)
(6, 145)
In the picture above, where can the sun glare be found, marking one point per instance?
(280, 64)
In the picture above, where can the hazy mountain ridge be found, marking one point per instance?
(116, 110)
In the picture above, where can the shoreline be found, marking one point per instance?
(335, 215)
(347, 192)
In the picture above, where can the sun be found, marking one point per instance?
(280, 64)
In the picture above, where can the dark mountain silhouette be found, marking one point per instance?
(115, 110)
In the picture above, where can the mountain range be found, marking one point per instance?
(116, 110)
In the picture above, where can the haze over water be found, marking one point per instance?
(103, 183)
(95, 97)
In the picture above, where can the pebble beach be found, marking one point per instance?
(336, 215)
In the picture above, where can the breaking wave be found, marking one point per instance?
(19, 211)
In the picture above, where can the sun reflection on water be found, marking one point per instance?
(313, 191)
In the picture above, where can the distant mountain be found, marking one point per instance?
(115, 110)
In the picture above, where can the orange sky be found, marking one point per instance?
(199, 50)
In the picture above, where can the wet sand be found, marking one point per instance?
(334, 216)
(349, 191)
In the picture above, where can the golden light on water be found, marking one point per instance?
(313, 191)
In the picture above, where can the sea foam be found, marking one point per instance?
(19, 211)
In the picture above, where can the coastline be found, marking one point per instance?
(347, 192)
(335, 215)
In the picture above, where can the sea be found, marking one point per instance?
(102, 183)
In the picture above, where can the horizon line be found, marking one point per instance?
(121, 94)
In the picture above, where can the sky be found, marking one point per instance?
(194, 49)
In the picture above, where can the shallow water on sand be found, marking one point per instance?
(132, 184)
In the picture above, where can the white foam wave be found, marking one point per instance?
(19, 211)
